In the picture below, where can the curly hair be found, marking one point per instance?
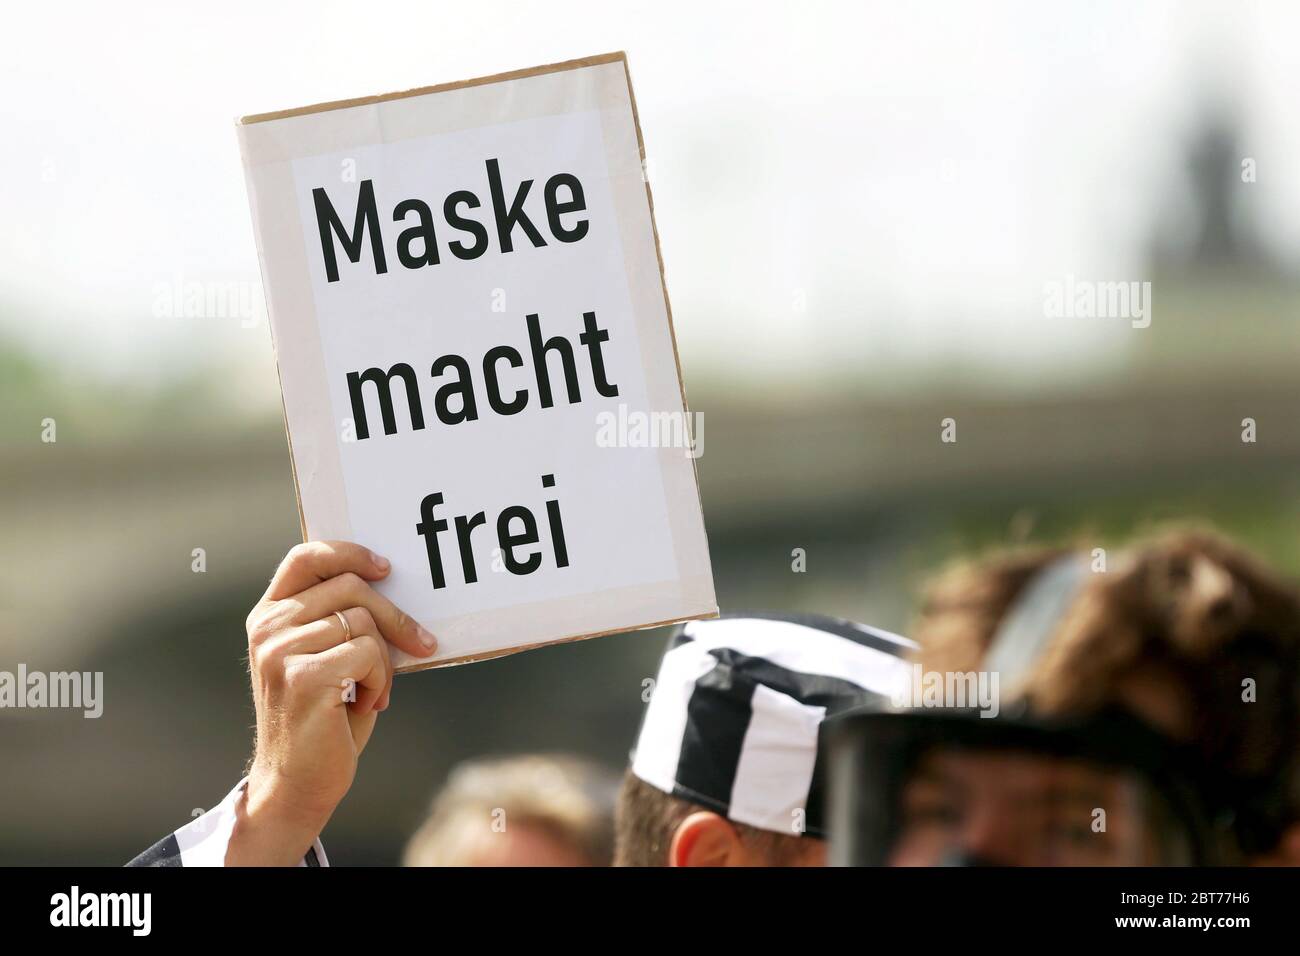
(1189, 602)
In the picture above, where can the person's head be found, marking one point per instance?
(529, 810)
(655, 828)
(726, 767)
(1151, 713)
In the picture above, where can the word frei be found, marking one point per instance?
(74, 908)
(507, 540)
(956, 689)
(72, 690)
(1073, 298)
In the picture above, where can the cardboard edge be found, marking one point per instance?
(598, 60)
(668, 305)
(293, 462)
(504, 652)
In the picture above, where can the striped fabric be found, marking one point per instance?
(203, 841)
(732, 723)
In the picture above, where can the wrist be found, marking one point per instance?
(272, 827)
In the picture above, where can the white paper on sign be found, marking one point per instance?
(476, 354)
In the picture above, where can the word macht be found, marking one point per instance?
(75, 908)
(457, 400)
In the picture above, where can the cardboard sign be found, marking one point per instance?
(476, 354)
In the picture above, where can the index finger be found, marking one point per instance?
(350, 591)
(307, 565)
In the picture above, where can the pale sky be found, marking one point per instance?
(838, 187)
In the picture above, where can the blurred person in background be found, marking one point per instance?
(1150, 714)
(726, 770)
(526, 810)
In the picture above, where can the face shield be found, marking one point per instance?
(930, 788)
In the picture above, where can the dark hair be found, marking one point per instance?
(645, 819)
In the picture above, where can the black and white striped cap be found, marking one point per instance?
(733, 720)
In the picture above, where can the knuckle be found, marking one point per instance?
(351, 582)
(267, 660)
(403, 622)
(363, 621)
(297, 553)
(374, 646)
(336, 545)
(258, 625)
(304, 552)
(267, 620)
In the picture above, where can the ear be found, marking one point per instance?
(706, 839)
